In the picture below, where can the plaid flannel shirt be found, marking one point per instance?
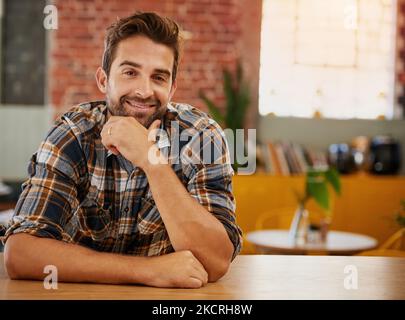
(79, 192)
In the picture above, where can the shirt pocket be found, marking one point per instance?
(149, 220)
(94, 219)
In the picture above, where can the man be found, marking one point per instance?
(104, 202)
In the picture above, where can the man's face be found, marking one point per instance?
(140, 81)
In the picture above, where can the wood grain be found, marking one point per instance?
(250, 277)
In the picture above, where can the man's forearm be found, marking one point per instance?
(26, 256)
(190, 226)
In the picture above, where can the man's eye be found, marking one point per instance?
(129, 73)
(160, 78)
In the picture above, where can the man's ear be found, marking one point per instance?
(101, 79)
(173, 89)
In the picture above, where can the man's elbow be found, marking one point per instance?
(222, 264)
(219, 271)
(12, 256)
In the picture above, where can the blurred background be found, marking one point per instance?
(322, 82)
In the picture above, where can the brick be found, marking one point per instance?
(216, 28)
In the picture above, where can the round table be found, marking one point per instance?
(337, 243)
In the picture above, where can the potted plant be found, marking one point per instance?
(400, 219)
(237, 95)
(396, 241)
(400, 216)
(317, 183)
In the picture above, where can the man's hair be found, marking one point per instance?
(159, 29)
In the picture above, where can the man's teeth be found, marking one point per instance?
(139, 105)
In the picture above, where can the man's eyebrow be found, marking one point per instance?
(137, 65)
(131, 63)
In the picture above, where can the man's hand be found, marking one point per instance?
(26, 255)
(176, 270)
(126, 136)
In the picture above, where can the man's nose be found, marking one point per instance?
(143, 89)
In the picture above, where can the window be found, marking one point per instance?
(22, 52)
(336, 57)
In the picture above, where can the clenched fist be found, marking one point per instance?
(176, 270)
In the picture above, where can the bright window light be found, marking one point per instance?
(336, 57)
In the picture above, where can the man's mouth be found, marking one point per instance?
(138, 105)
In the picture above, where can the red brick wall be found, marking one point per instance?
(222, 31)
(400, 62)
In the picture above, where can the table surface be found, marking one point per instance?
(338, 242)
(250, 277)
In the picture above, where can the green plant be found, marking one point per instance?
(400, 216)
(316, 187)
(237, 95)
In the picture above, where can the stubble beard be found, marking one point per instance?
(118, 109)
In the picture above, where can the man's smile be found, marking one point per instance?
(143, 107)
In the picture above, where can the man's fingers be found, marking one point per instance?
(109, 146)
(198, 264)
(108, 126)
(114, 119)
(155, 124)
(107, 140)
(202, 274)
(195, 283)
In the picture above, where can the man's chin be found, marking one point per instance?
(144, 119)
(146, 122)
(140, 118)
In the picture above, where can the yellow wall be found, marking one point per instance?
(367, 204)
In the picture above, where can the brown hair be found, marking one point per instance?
(159, 29)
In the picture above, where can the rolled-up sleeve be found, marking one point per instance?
(50, 192)
(210, 180)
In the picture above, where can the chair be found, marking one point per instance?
(281, 218)
(273, 219)
(394, 246)
(396, 241)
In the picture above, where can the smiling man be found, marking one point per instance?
(96, 206)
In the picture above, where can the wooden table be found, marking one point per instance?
(250, 277)
(338, 243)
